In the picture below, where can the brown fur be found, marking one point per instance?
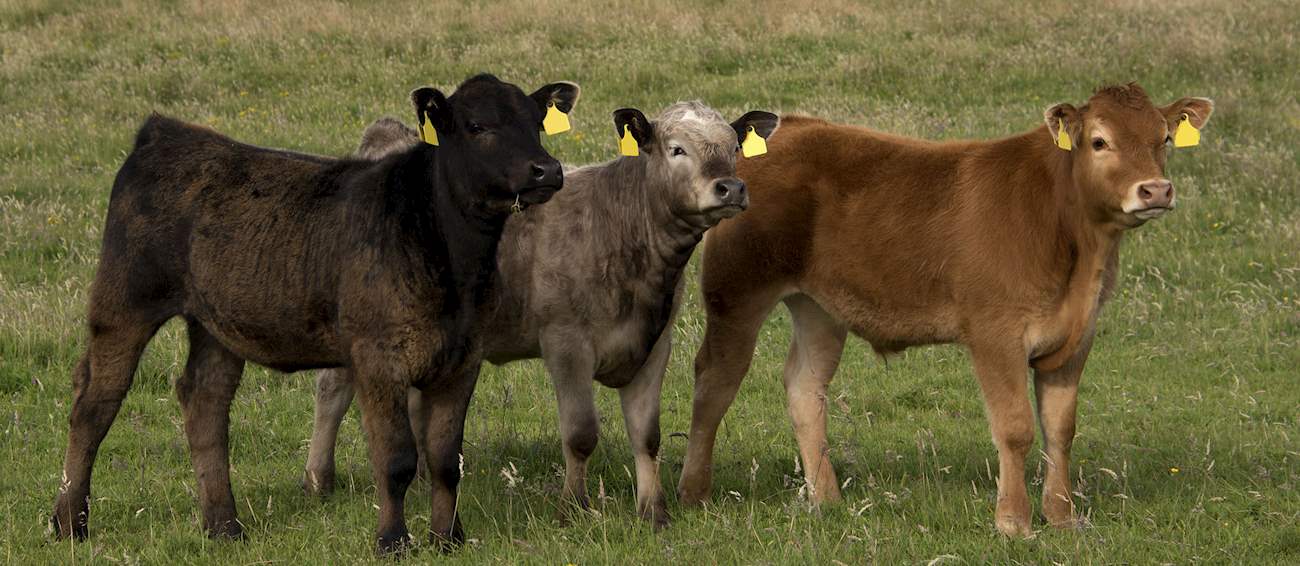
(1007, 247)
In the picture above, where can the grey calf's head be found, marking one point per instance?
(692, 150)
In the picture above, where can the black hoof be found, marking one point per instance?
(393, 545)
(227, 530)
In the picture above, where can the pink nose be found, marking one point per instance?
(1156, 194)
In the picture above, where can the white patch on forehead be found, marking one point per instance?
(691, 116)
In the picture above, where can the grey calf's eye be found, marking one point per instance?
(677, 150)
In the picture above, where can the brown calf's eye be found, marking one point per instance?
(1098, 144)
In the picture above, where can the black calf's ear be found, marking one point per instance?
(563, 94)
(764, 123)
(630, 121)
(431, 112)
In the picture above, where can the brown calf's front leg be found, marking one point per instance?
(444, 404)
(333, 397)
(640, 401)
(720, 366)
(815, 348)
(381, 392)
(1002, 370)
(571, 365)
(212, 374)
(99, 383)
(1057, 392)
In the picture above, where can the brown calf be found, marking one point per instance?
(1008, 247)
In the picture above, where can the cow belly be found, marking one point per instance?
(888, 325)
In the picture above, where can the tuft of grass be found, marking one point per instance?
(1186, 450)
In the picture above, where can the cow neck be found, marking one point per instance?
(655, 241)
(470, 231)
(670, 235)
(1093, 245)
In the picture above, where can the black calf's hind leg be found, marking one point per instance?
(99, 384)
(212, 375)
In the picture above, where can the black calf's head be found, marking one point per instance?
(489, 130)
(691, 151)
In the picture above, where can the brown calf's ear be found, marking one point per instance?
(431, 106)
(1063, 115)
(764, 123)
(636, 123)
(1198, 111)
(563, 94)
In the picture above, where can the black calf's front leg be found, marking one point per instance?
(381, 391)
(443, 406)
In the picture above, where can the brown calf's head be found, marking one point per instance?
(692, 150)
(1120, 142)
(489, 129)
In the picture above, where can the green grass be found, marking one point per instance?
(1195, 370)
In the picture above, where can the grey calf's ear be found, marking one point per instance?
(636, 123)
(431, 107)
(764, 123)
(563, 94)
(1063, 115)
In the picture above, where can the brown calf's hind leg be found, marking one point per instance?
(212, 374)
(1057, 392)
(571, 365)
(333, 397)
(734, 320)
(381, 391)
(640, 400)
(444, 406)
(99, 384)
(1003, 375)
(815, 348)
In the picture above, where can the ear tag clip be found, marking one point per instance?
(1062, 137)
(754, 144)
(427, 133)
(1186, 135)
(627, 144)
(555, 121)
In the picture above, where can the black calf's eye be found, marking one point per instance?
(678, 151)
(1098, 144)
(474, 128)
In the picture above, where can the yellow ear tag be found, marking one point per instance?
(627, 144)
(427, 133)
(555, 121)
(1062, 136)
(754, 144)
(1186, 135)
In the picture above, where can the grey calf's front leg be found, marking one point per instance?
(333, 397)
(640, 400)
(571, 365)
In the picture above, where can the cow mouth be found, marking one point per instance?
(1152, 212)
(537, 194)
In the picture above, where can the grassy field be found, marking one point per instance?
(1189, 429)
